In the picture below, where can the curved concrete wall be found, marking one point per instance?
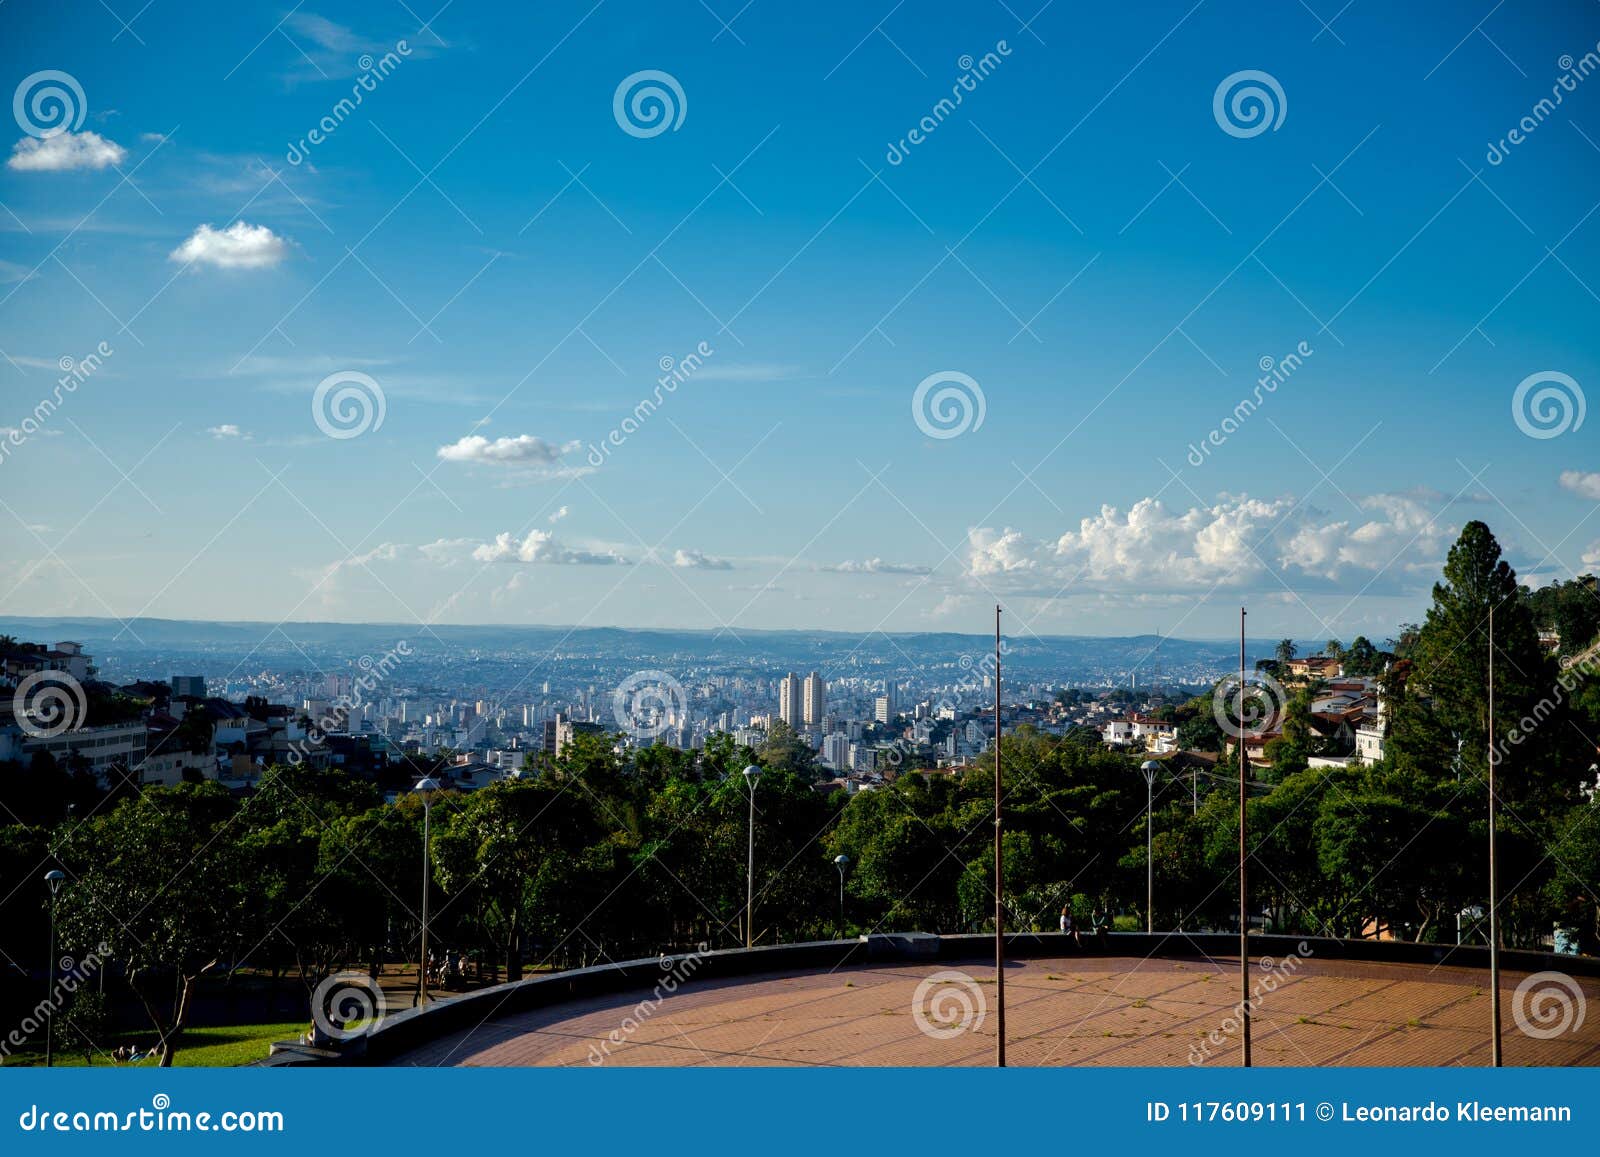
(412, 1027)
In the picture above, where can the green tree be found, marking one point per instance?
(157, 882)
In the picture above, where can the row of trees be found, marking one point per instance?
(611, 853)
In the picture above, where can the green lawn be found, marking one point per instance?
(216, 1047)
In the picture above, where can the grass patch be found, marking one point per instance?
(220, 1046)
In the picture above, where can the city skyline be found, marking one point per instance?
(1103, 288)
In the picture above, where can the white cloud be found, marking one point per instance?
(239, 246)
(1591, 556)
(878, 566)
(697, 560)
(540, 546)
(1581, 484)
(1239, 542)
(558, 515)
(64, 152)
(527, 453)
(227, 430)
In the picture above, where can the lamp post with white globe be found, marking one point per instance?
(1150, 767)
(752, 776)
(425, 787)
(53, 880)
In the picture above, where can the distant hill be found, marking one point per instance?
(1075, 657)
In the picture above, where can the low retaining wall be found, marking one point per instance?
(412, 1027)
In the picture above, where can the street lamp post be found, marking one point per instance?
(53, 880)
(425, 787)
(840, 861)
(752, 776)
(1149, 767)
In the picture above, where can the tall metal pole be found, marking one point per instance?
(422, 971)
(1244, 907)
(999, 870)
(750, 873)
(1149, 855)
(1494, 890)
(50, 988)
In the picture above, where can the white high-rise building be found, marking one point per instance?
(816, 699)
(836, 751)
(789, 709)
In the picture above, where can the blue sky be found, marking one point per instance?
(1081, 237)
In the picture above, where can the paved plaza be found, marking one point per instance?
(1062, 1011)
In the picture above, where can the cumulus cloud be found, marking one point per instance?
(1581, 484)
(526, 453)
(697, 560)
(1591, 555)
(877, 566)
(540, 546)
(226, 430)
(558, 515)
(239, 246)
(1236, 542)
(64, 152)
